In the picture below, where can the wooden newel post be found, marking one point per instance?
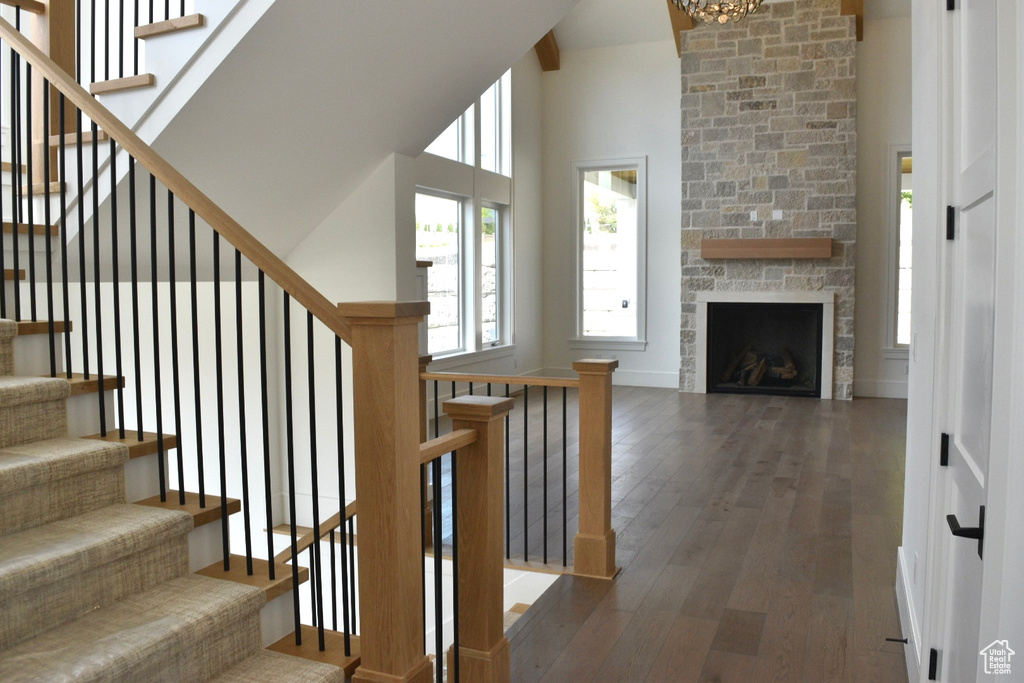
(594, 547)
(483, 647)
(385, 380)
(428, 509)
(53, 32)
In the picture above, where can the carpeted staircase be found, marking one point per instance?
(94, 589)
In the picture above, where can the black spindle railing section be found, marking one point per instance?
(539, 506)
(444, 533)
(194, 346)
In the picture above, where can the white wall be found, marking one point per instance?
(883, 121)
(608, 103)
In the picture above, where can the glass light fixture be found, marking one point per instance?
(718, 11)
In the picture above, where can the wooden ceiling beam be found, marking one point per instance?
(854, 8)
(681, 21)
(547, 52)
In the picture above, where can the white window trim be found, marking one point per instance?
(890, 349)
(578, 340)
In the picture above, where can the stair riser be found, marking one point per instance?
(32, 422)
(84, 413)
(6, 357)
(32, 355)
(36, 505)
(31, 612)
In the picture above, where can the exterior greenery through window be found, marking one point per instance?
(904, 247)
(610, 231)
(463, 227)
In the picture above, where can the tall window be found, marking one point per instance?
(462, 226)
(438, 232)
(904, 245)
(610, 230)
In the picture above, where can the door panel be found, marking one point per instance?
(970, 335)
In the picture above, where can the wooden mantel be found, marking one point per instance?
(778, 248)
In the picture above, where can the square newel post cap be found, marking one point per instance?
(595, 366)
(369, 312)
(477, 408)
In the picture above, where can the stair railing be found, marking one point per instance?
(553, 478)
(231, 358)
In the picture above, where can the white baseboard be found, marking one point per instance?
(879, 388)
(909, 625)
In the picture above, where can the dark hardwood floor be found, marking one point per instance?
(757, 539)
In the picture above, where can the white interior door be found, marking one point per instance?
(970, 313)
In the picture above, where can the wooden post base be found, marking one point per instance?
(482, 667)
(423, 672)
(594, 556)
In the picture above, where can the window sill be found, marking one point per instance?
(897, 353)
(459, 359)
(609, 344)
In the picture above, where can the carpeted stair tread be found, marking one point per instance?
(54, 479)
(52, 552)
(187, 629)
(8, 329)
(16, 391)
(270, 666)
(39, 462)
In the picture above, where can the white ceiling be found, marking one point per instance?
(603, 23)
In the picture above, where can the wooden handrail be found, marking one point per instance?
(240, 238)
(452, 441)
(518, 380)
(310, 537)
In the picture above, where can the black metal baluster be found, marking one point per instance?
(156, 341)
(62, 168)
(471, 388)
(116, 286)
(342, 495)
(437, 408)
(290, 431)
(172, 284)
(314, 572)
(106, 39)
(49, 231)
(17, 178)
(352, 572)
(565, 476)
(222, 458)
(508, 478)
(314, 475)
(92, 41)
(120, 40)
(97, 291)
(423, 545)
(78, 45)
(544, 415)
(243, 438)
(31, 219)
(526, 479)
(264, 402)
(135, 42)
(334, 585)
(133, 243)
(438, 609)
(82, 289)
(455, 560)
(197, 386)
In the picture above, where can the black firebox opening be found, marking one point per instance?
(764, 348)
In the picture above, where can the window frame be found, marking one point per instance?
(477, 188)
(612, 343)
(894, 177)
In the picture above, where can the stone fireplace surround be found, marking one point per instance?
(826, 299)
(769, 142)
